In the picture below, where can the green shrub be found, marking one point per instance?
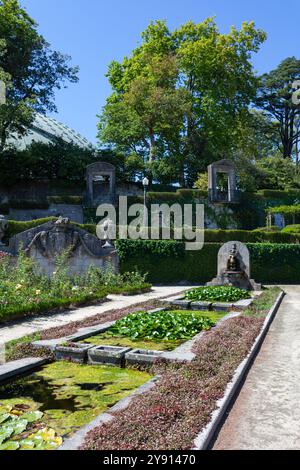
(270, 262)
(277, 194)
(156, 249)
(217, 293)
(161, 325)
(249, 236)
(271, 228)
(294, 229)
(15, 227)
(25, 290)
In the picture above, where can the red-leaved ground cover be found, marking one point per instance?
(171, 414)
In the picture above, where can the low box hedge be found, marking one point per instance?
(249, 236)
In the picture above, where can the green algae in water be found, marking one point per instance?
(70, 395)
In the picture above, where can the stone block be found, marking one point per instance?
(185, 304)
(142, 356)
(112, 355)
(222, 306)
(201, 305)
(73, 352)
(243, 304)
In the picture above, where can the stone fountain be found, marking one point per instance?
(234, 267)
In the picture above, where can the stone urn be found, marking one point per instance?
(3, 228)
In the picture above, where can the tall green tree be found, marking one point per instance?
(34, 70)
(177, 98)
(275, 99)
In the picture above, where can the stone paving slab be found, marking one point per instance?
(266, 413)
(15, 330)
(12, 369)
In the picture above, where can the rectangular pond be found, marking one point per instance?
(38, 411)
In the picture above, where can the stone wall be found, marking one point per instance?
(72, 212)
(45, 242)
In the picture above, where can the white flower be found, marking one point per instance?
(75, 288)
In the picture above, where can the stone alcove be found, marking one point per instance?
(101, 183)
(226, 191)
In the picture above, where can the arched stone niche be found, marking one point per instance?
(229, 194)
(101, 183)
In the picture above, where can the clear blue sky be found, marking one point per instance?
(94, 32)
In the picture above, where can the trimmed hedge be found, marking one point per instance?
(272, 263)
(211, 236)
(277, 194)
(248, 236)
(15, 227)
(153, 248)
(294, 229)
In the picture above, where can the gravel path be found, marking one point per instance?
(266, 414)
(30, 325)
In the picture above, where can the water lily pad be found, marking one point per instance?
(5, 433)
(4, 417)
(11, 445)
(33, 416)
(19, 426)
(27, 444)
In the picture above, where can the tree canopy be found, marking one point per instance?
(275, 98)
(177, 99)
(32, 71)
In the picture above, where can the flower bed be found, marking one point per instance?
(24, 290)
(217, 294)
(171, 415)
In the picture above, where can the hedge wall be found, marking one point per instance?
(211, 236)
(15, 227)
(164, 263)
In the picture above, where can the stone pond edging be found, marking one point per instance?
(13, 369)
(184, 352)
(205, 437)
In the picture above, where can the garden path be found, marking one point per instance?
(31, 325)
(266, 413)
